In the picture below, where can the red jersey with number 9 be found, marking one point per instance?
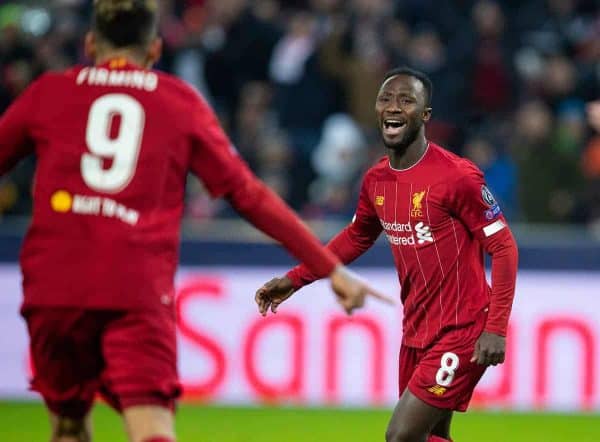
(114, 144)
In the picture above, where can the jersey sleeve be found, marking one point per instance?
(473, 203)
(15, 129)
(214, 159)
(351, 242)
(365, 227)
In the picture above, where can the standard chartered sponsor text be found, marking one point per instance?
(396, 227)
(423, 233)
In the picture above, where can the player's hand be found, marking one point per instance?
(490, 349)
(351, 291)
(272, 294)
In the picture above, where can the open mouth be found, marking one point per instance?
(393, 127)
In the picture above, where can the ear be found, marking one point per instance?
(90, 46)
(426, 114)
(154, 51)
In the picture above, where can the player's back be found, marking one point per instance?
(113, 149)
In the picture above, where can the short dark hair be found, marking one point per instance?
(125, 23)
(423, 78)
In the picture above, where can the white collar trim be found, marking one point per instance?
(408, 168)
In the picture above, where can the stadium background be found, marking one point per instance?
(294, 84)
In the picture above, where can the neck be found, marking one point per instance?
(404, 158)
(128, 55)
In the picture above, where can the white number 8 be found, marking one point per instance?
(123, 149)
(445, 374)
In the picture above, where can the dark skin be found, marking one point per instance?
(71, 430)
(402, 110)
(401, 116)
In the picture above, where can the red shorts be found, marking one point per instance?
(442, 375)
(129, 357)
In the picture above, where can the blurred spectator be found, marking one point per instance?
(560, 80)
(593, 110)
(427, 53)
(549, 175)
(294, 83)
(239, 45)
(555, 26)
(338, 160)
(499, 169)
(355, 53)
(491, 76)
(260, 140)
(340, 154)
(304, 96)
(254, 121)
(591, 168)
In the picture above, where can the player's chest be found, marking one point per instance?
(404, 203)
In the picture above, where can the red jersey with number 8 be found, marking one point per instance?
(439, 217)
(114, 144)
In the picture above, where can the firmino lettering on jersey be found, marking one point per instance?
(143, 80)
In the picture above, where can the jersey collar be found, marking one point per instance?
(120, 63)
(411, 167)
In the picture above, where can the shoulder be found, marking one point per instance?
(52, 84)
(456, 167)
(376, 170)
(180, 89)
(47, 85)
(374, 173)
(48, 80)
(54, 78)
(192, 110)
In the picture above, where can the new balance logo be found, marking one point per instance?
(438, 390)
(423, 233)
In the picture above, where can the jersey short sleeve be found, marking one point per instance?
(473, 203)
(214, 159)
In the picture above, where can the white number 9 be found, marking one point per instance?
(123, 149)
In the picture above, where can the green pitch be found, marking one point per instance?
(27, 422)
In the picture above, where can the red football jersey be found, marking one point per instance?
(438, 216)
(114, 144)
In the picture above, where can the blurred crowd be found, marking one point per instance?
(294, 84)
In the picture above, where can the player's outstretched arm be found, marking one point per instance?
(347, 245)
(351, 242)
(351, 292)
(226, 175)
(271, 215)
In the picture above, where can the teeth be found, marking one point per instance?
(393, 123)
